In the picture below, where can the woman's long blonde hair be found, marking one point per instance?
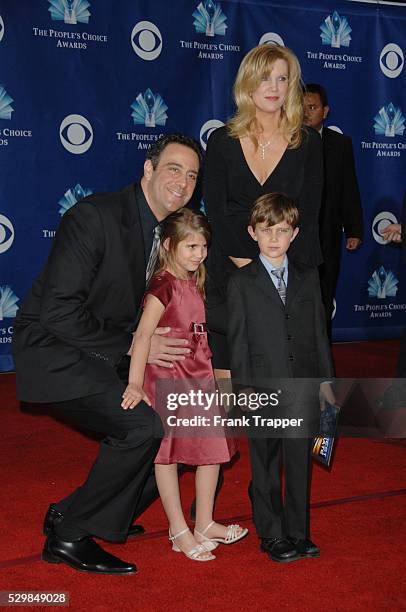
(175, 228)
(255, 67)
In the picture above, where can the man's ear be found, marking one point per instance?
(326, 110)
(251, 232)
(165, 244)
(148, 169)
(295, 233)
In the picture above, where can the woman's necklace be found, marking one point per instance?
(263, 147)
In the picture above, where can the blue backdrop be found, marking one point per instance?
(86, 85)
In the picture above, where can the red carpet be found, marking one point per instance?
(358, 519)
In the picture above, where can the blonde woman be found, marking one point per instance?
(264, 148)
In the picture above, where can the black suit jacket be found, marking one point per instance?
(268, 339)
(76, 323)
(341, 202)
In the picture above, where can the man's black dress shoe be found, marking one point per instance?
(84, 555)
(305, 548)
(53, 517)
(279, 549)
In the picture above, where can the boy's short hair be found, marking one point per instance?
(273, 208)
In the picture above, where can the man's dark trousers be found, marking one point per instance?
(104, 505)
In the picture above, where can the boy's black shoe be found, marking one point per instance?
(280, 550)
(305, 548)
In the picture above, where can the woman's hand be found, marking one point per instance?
(133, 395)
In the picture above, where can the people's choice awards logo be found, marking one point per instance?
(206, 129)
(5, 104)
(1, 28)
(335, 31)
(381, 222)
(71, 196)
(209, 19)
(146, 40)
(382, 284)
(69, 11)
(6, 234)
(389, 121)
(391, 60)
(8, 303)
(271, 38)
(149, 109)
(76, 134)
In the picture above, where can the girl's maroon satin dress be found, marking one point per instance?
(184, 307)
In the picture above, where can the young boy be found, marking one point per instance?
(277, 330)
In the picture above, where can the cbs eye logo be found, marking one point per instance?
(271, 38)
(146, 40)
(391, 60)
(381, 221)
(335, 128)
(6, 234)
(1, 28)
(76, 134)
(206, 129)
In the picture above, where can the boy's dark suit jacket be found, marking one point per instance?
(75, 325)
(270, 340)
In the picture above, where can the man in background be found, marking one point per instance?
(341, 202)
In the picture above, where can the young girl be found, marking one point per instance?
(175, 299)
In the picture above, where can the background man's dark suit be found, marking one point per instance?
(69, 338)
(341, 204)
(340, 209)
(269, 340)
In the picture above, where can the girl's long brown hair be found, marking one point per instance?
(177, 227)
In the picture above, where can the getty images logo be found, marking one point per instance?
(391, 60)
(209, 19)
(149, 109)
(76, 134)
(69, 11)
(71, 196)
(6, 234)
(206, 129)
(389, 121)
(335, 31)
(8, 303)
(146, 40)
(382, 284)
(5, 104)
(381, 222)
